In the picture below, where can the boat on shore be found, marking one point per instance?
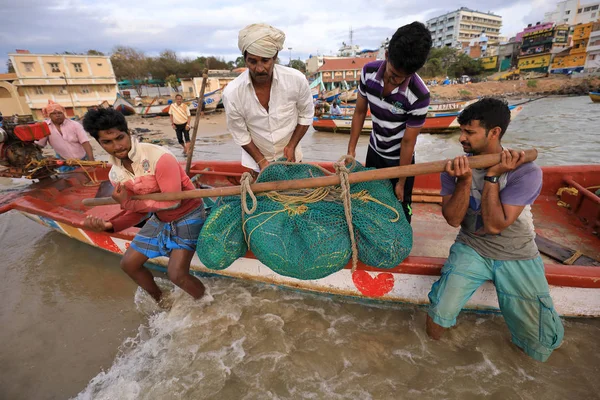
(438, 122)
(595, 96)
(573, 221)
(211, 101)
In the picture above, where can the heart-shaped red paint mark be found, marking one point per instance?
(373, 287)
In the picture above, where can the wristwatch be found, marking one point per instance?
(491, 179)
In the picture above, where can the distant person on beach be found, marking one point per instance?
(68, 138)
(496, 241)
(172, 230)
(268, 107)
(399, 101)
(180, 115)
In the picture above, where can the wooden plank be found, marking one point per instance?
(563, 253)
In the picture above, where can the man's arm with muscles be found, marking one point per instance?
(497, 216)
(407, 149)
(358, 121)
(306, 112)
(255, 153)
(88, 150)
(455, 205)
(289, 151)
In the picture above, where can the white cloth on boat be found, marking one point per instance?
(261, 40)
(291, 104)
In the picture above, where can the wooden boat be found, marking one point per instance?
(211, 101)
(349, 96)
(595, 96)
(435, 123)
(56, 203)
(330, 95)
(449, 107)
(123, 106)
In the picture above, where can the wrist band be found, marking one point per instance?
(264, 159)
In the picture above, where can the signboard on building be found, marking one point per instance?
(489, 63)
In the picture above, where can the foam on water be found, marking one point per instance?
(249, 341)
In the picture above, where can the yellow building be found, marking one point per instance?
(573, 59)
(11, 101)
(75, 81)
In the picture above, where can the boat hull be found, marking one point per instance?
(407, 288)
(595, 96)
(575, 289)
(438, 123)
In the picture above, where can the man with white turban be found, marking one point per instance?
(67, 138)
(269, 107)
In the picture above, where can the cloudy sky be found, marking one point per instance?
(194, 28)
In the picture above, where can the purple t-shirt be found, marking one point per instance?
(518, 188)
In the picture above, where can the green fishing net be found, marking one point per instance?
(304, 234)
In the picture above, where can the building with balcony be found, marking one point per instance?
(463, 25)
(538, 47)
(573, 12)
(75, 81)
(335, 71)
(533, 28)
(573, 59)
(592, 60)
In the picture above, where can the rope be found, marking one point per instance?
(569, 190)
(342, 171)
(571, 260)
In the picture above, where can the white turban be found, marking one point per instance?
(261, 40)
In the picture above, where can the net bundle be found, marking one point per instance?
(309, 233)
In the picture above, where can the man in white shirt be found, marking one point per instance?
(269, 107)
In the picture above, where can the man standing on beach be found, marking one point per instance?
(269, 107)
(399, 100)
(180, 116)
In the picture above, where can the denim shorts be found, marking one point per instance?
(523, 296)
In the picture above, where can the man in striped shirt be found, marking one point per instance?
(398, 99)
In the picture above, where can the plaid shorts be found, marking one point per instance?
(158, 238)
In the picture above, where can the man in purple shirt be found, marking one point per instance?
(399, 100)
(496, 241)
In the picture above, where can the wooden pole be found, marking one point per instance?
(484, 161)
(200, 100)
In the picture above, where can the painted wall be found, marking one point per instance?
(10, 101)
(534, 63)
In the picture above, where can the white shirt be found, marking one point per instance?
(290, 104)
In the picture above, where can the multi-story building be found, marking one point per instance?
(335, 71)
(538, 46)
(574, 58)
(463, 25)
(75, 81)
(592, 61)
(573, 12)
(533, 28)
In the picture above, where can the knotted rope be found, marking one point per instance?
(295, 201)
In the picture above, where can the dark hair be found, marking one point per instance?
(489, 112)
(409, 47)
(179, 95)
(102, 119)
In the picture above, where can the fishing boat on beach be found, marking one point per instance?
(595, 96)
(437, 122)
(567, 217)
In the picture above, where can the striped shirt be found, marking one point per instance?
(405, 107)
